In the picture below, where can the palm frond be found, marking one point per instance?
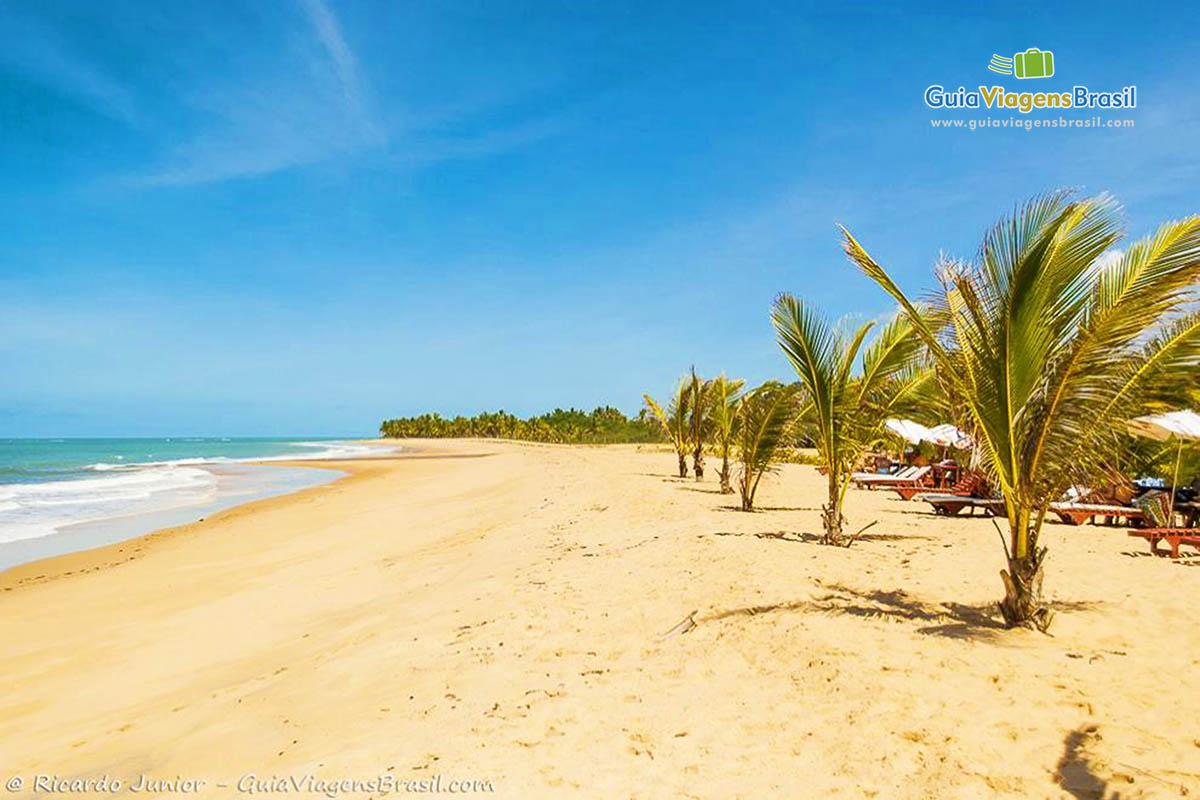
(766, 415)
(1047, 345)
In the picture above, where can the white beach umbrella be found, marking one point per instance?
(1163, 427)
(912, 432)
(946, 435)
(1179, 425)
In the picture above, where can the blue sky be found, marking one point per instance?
(301, 216)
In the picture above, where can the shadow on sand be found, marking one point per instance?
(1186, 558)
(758, 509)
(954, 620)
(667, 477)
(702, 490)
(812, 538)
(951, 620)
(947, 619)
(1076, 774)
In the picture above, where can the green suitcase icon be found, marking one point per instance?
(1033, 63)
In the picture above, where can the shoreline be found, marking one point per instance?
(496, 611)
(233, 485)
(237, 482)
(112, 553)
(115, 553)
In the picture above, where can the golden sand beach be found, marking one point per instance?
(492, 611)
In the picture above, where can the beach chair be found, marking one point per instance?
(1113, 499)
(880, 466)
(919, 481)
(951, 505)
(1159, 515)
(908, 491)
(1074, 513)
(1172, 536)
(861, 479)
(913, 476)
(971, 484)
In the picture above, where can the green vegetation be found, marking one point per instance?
(715, 415)
(674, 421)
(767, 416)
(846, 408)
(698, 422)
(1051, 347)
(724, 396)
(605, 425)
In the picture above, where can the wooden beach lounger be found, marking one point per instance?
(1172, 536)
(1079, 513)
(913, 476)
(951, 505)
(970, 485)
(860, 478)
(908, 492)
(922, 481)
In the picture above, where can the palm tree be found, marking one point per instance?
(723, 395)
(847, 408)
(1052, 340)
(674, 421)
(766, 416)
(698, 421)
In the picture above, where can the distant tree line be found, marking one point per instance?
(604, 425)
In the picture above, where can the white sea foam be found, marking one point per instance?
(28, 510)
(318, 451)
(335, 450)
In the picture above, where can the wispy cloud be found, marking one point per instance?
(421, 151)
(345, 63)
(317, 105)
(309, 105)
(212, 107)
(37, 52)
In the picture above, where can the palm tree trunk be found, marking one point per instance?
(831, 514)
(1023, 605)
(698, 462)
(724, 475)
(682, 464)
(747, 486)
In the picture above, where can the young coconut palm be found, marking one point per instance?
(723, 395)
(674, 421)
(846, 408)
(1053, 342)
(698, 421)
(766, 416)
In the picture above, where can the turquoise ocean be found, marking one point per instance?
(61, 495)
